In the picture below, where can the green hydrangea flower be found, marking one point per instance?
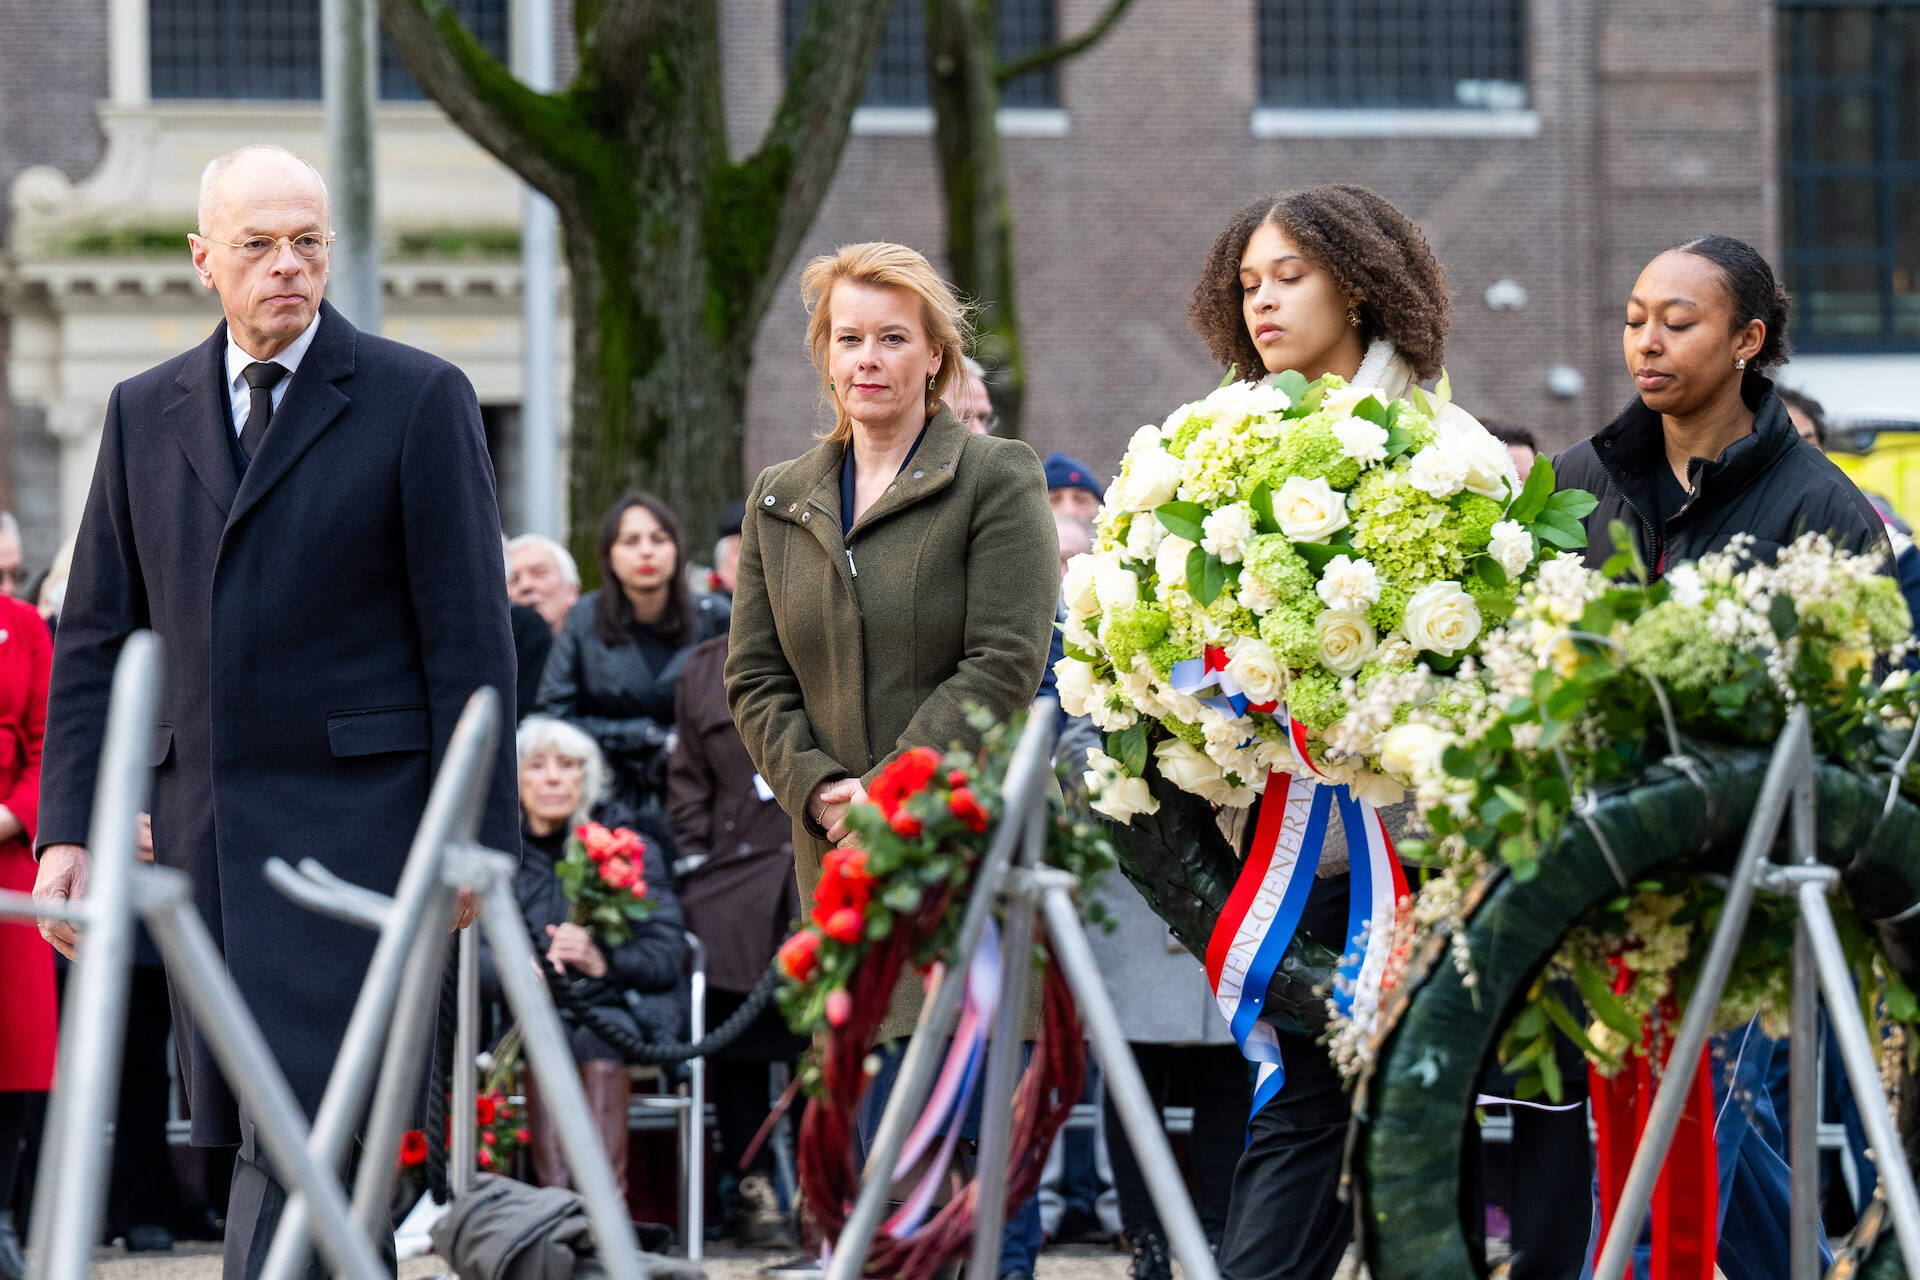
(1495, 603)
(1311, 450)
(1279, 568)
(1314, 698)
(1403, 531)
(1184, 433)
(1390, 609)
(1885, 612)
(1288, 630)
(1191, 734)
(1673, 644)
(1169, 651)
(1134, 629)
(1474, 519)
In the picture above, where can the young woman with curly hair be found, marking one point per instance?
(1330, 280)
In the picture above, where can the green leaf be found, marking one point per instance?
(1318, 555)
(1550, 1076)
(1078, 654)
(1420, 399)
(1294, 383)
(1443, 389)
(1597, 990)
(1598, 618)
(1565, 539)
(1531, 1021)
(1568, 1025)
(1399, 441)
(1129, 747)
(1261, 501)
(1233, 372)
(1784, 616)
(1534, 493)
(1310, 401)
(1196, 570)
(1213, 577)
(1577, 503)
(1182, 519)
(1371, 410)
(1489, 571)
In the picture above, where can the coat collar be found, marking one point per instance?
(811, 486)
(1633, 444)
(198, 418)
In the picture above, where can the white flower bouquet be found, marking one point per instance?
(1271, 555)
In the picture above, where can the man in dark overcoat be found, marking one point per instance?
(305, 515)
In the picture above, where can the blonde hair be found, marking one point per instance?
(882, 265)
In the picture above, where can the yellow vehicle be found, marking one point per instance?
(1879, 449)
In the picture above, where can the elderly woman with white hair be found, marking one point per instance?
(562, 777)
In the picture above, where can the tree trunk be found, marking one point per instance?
(964, 87)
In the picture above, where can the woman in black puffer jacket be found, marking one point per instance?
(637, 984)
(617, 660)
(1706, 450)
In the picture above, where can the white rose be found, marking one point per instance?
(1438, 470)
(1410, 750)
(1170, 561)
(1511, 546)
(1073, 679)
(1076, 585)
(1489, 466)
(1189, 769)
(1175, 420)
(1441, 618)
(1152, 477)
(1113, 586)
(1309, 510)
(1376, 789)
(1143, 536)
(1346, 641)
(1344, 398)
(1349, 583)
(1365, 442)
(1252, 665)
(1108, 718)
(1145, 440)
(1112, 792)
(1227, 532)
(1395, 652)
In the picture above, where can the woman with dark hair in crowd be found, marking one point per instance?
(617, 658)
(1706, 451)
(1522, 445)
(1330, 280)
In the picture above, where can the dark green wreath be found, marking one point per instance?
(1413, 1106)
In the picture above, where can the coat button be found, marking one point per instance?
(805, 516)
(918, 474)
(768, 501)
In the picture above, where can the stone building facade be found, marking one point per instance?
(1548, 147)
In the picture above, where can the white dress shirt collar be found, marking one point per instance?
(238, 359)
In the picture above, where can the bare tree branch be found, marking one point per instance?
(1061, 50)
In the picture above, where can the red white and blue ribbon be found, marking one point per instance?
(1192, 676)
(1263, 912)
(1261, 916)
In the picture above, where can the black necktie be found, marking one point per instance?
(261, 376)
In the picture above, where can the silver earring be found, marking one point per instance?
(1740, 363)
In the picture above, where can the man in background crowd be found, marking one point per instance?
(1520, 442)
(541, 574)
(1071, 488)
(726, 552)
(972, 403)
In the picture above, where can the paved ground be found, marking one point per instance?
(202, 1262)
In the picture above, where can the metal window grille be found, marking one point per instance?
(1850, 173)
(271, 48)
(1404, 54)
(899, 75)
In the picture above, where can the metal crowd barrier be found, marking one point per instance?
(1012, 879)
(382, 1052)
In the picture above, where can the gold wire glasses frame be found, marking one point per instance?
(256, 248)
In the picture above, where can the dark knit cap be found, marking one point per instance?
(730, 517)
(1070, 473)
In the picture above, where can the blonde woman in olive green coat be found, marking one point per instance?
(895, 573)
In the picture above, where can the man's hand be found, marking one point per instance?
(573, 945)
(143, 838)
(62, 879)
(466, 909)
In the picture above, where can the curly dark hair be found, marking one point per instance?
(1752, 289)
(1377, 255)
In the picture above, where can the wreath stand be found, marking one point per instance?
(1011, 878)
(382, 1053)
(1819, 968)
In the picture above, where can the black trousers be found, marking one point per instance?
(737, 1079)
(253, 1215)
(1286, 1220)
(1221, 1090)
(142, 1188)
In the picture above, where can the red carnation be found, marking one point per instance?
(845, 926)
(968, 810)
(486, 1108)
(628, 844)
(800, 955)
(956, 778)
(488, 1137)
(522, 1136)
(904, 824)
(485, 1157)
(601, 843)
(906, 776)
(839, 1007)
(413, 1149)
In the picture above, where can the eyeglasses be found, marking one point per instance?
(987, 422)
(259, 248)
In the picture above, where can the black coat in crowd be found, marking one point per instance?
(650, 963)
(1771, 484)
(323, 617)
(625, 703)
